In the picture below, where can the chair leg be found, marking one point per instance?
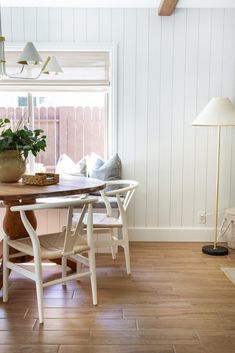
(39, 289)
(64, 268)
(92, 268)
(79, 269)
(115, 234)
(5, 270)
(127, 258)
(91, 255)
(126, 251)
(112, 248)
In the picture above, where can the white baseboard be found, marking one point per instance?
(172, 234)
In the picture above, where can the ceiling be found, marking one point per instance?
(117, 3)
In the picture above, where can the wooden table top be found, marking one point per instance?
(70, 185)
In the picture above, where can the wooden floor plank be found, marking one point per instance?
(117, 349)
(86, 324)
(47, 294)
(199, 323)
(75, 313)
(198, 348)
(12, 324)
(44, 337)
(147, 337)
(28, 349)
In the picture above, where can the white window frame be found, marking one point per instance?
(68, 85)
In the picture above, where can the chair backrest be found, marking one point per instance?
(70, 233)
(124, 191)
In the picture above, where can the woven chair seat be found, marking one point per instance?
(51, 245)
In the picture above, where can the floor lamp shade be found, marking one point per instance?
(218, 112)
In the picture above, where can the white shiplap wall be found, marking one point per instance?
(168, 69)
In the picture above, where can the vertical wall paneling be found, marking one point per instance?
(217, 37)
(129, 102)
(42, 221)
(117, 35)
(232, 173)
(202, 97)
(30, 24)
(67, 24)
(165, 120)
(227, 91)
(105, 25)
(168, 69)
(62, 218)
(53, 224)
(55, 28)
(42, 24)
(154, 82)
(7, 23)
(229, 22)
(93, 20)
(188, 164)
(80, 33)
(178, 96)
(228, 50)
(17, 21)
(141, 91)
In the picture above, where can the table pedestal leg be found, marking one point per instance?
(12, 224)
(14, 228)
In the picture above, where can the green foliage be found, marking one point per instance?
(22, 139)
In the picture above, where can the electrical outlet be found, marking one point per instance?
(202, 217)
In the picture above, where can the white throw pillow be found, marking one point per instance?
(66, 165)
(91, 162)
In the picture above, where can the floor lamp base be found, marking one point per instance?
(218, 251)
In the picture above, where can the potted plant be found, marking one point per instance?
(15, 145)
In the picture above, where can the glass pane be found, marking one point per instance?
(14, 105)
(74, 124)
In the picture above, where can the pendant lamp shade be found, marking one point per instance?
(218, 112)
(30, 55)
(51, 66)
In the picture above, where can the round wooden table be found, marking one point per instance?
(19, 193)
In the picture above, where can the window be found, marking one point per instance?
(75, 110)
(74, 122)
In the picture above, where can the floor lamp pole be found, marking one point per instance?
(217, 186)
(214, 249)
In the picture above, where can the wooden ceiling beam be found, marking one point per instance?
(167, 7)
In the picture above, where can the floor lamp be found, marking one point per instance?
(218, 112)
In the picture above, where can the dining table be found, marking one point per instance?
(12, 194)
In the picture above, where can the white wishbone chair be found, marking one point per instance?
(124, 192)
(62, 244)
